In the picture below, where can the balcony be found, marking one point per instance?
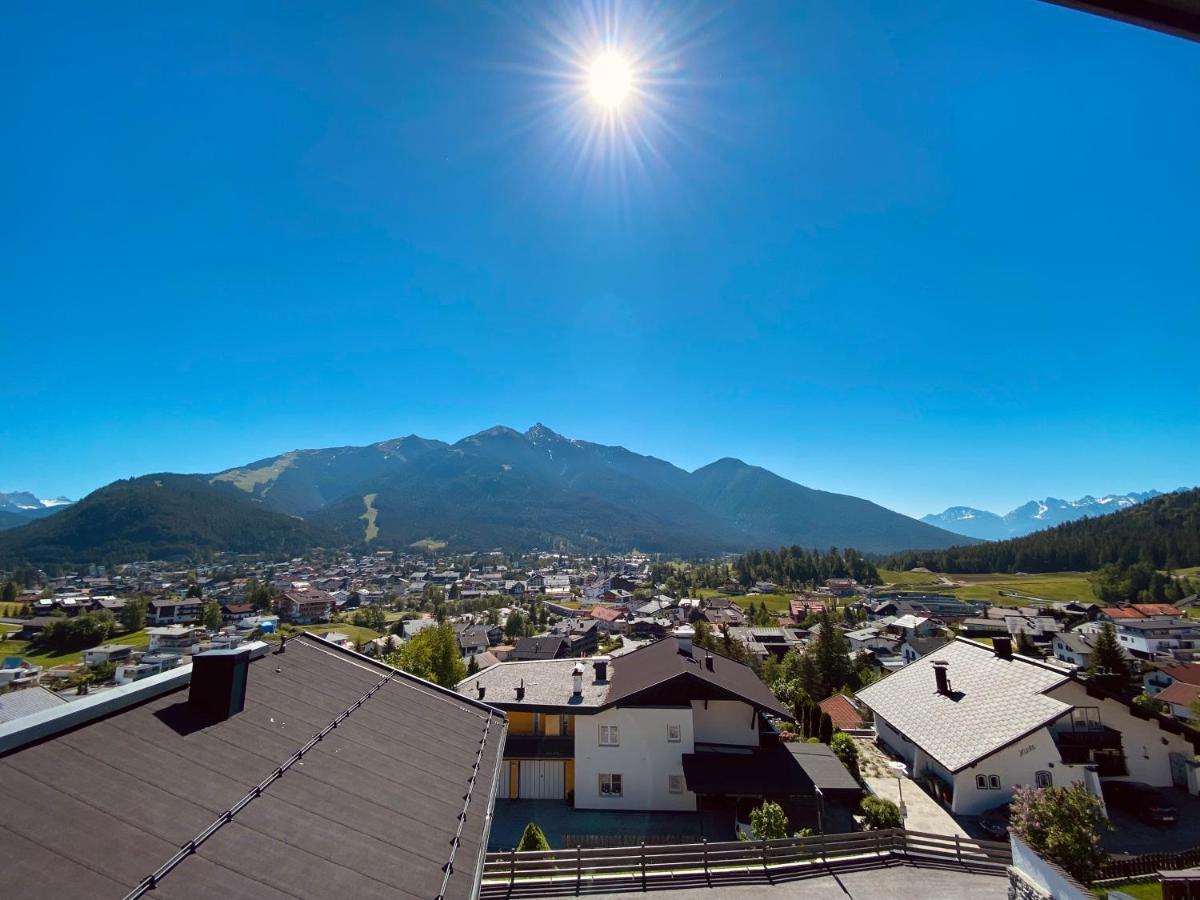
(530, 746)
(1097, 746)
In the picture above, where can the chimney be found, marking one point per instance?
(577, 680)
(708, 661)
(683, 636)
(218, 688)
(521, 690)
(482, 690)
(600, 665)
(942, 677)
(1002, 646)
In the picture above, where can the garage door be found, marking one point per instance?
(542, 779)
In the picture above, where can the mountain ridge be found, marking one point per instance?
(1033, 515)
(502, 487)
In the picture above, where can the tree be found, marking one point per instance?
(432, 654)
(825, 728)
(768, 822)
(879, 813)
(132, 615)
(516, 626)
(532, 838)
(10, 592)
(1063, 824)
(194, 592)
(846, 750)
(210, 618)
(1108, 658)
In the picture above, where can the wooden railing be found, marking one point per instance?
(1148, 863)
(544, 872)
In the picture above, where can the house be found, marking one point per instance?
(844, 711)
(177, 639)
(720, 612)
(550, 646)
(1148, 638)
(339, 639)
(107, 653)
(17, 673)
(974, 722)
(667, 727)
(763, 642)
(583, 637)
(160, 611)
(610, 618)
(17, 704)
(1163, 677)
(913, 648)
(410, 627)
(1074, 647)
(472, 639)
(235, 612)
(1140, 611)
(339, 801)
(801, 608)
(303, 606)
(1181, 701)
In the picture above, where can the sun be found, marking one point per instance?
(610, 80)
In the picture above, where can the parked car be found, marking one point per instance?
(995, 821)
(1150, 804)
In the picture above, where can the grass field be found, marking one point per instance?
(10, 610)
(13, 647)
(776, 603)
(1145, 890)
(355, 632)
(1048, 586)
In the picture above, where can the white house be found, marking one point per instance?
(656, 729)
(976, 721)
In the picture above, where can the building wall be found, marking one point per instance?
(644, 759)
(1017, 764)
(1147, 747)
(725, 722)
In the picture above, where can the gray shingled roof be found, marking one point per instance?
(995, 702)
(548, 682)
(15, 704)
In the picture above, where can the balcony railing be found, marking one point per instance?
(532, 746)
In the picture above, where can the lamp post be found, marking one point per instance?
(900, 770)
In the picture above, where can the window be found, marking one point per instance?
(994, 782)
(675, 784)
(610, 785)
(673, 734)
(981, 783)
(610, 736)
(1043, 779)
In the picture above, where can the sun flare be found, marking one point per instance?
(610, 80)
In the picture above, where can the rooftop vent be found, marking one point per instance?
(521, 690)
(684, 635)
(482, 690)
(600, 666)
(1002, 646)
(577, 680)
(708, 661)
(218, 688)
(942, 676)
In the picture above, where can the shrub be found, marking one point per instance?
(768, 822)
(880, 813)
(532, 838)
(1063, 824)
(846, 750)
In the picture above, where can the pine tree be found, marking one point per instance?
(1108, 659)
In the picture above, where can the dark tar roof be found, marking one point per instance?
(658, 672)
(779, 770)
(369, 811)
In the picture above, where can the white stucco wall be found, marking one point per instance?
(725, 722)
(1147, 747)
(644, 759)
(1017, 764)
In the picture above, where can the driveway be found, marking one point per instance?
(897, 882)
(1132, 836)
(923, 812)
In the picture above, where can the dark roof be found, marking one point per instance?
(823, 767)
(544, 647)
(369, 811)
(795, 769)
(1178, 17)
(657, 671)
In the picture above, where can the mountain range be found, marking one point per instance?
(1032, 516)
(498, 488)
(20, 507)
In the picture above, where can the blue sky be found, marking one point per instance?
(925, 253)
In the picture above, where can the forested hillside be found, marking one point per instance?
(1164, 532)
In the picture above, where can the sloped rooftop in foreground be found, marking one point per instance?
(370, 810)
